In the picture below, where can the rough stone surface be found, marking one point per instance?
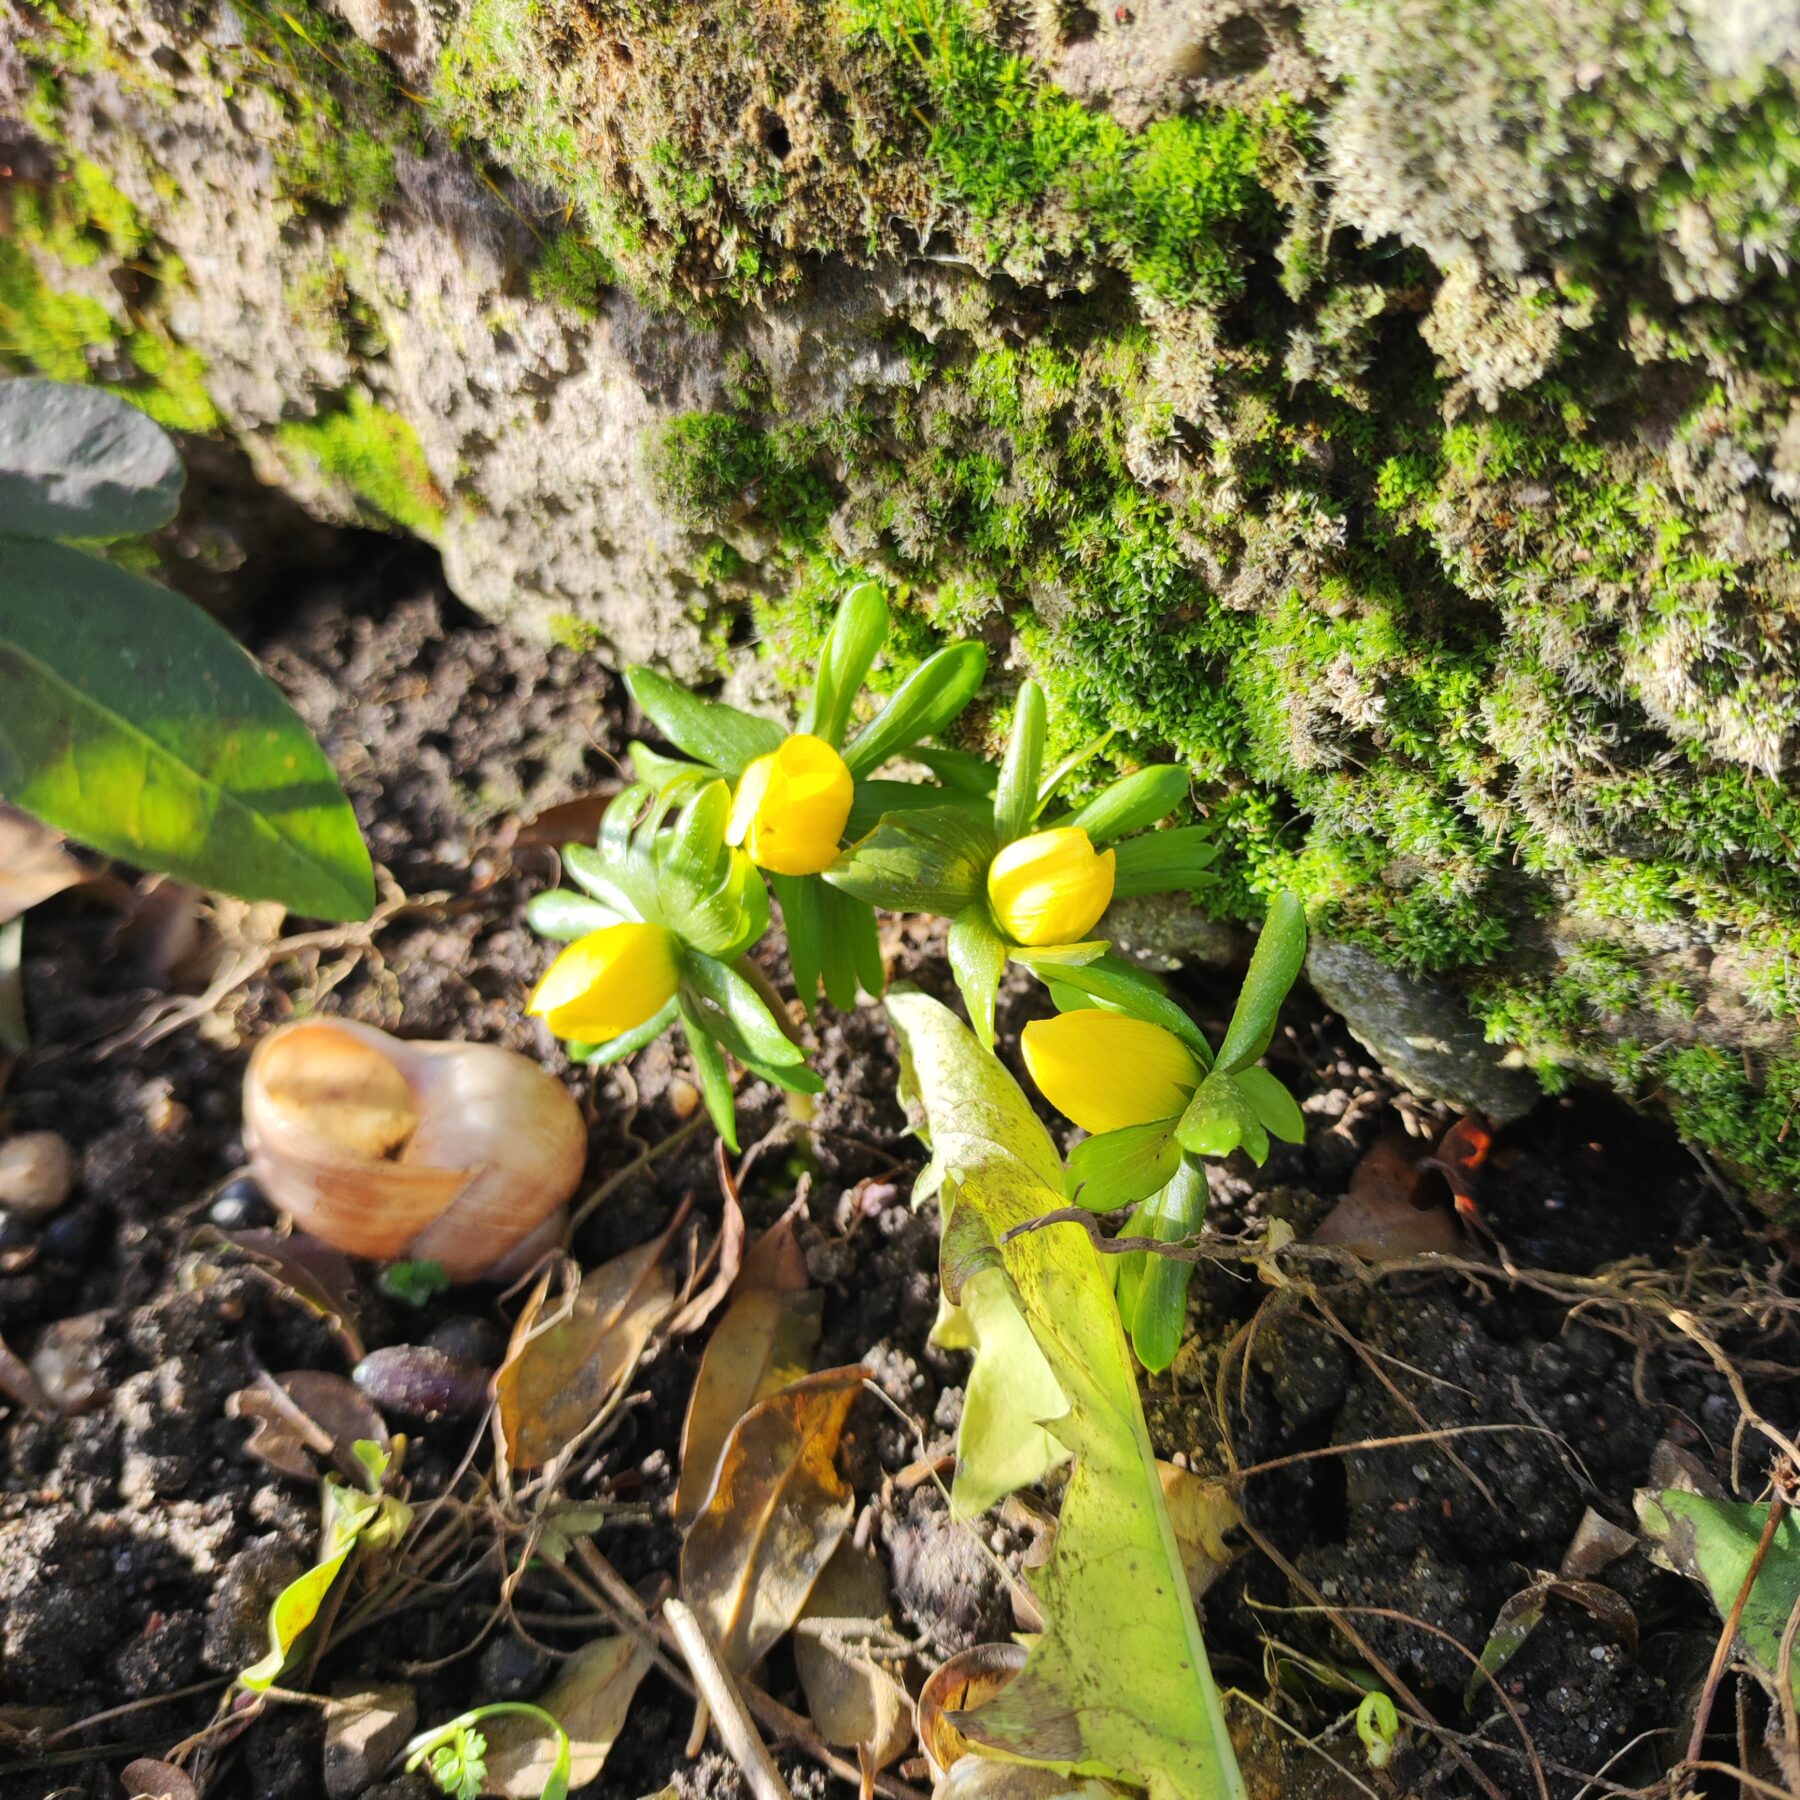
(363, 1734)
(1388, 407)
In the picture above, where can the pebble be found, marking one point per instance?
(364, 1732)
(37, 1169)
(72, 1237)
(421, 1383)
(16, 1231)
(240, 1206)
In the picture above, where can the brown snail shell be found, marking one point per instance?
(461, 1154)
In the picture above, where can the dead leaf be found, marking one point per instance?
(1205, 1518)
(589, 1699)
(968, 1680)
(34, 865)
(727, 1253)
(17, 1383)
(987, 1778)
(1596, 1545)
(574, 821)
(762, 1344)
(311, 1275)
(1379, 1218)
(775, 1516)
(307, 1419)
(849, 1658)
(147, 1779)
(561, 1377)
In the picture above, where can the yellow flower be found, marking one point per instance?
(609, 982)
(1051, 887)
(1106, 1071)
(792, 806)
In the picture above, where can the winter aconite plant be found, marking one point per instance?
(672, 902)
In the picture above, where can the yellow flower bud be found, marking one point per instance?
(792, 806)
(1051, 887)
(1106, 1071)
(609, 982)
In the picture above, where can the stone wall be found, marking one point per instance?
(1388, 405)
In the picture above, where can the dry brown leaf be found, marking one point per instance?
(17, 1383)
(986, 1778)
(589, 1699)
(560, 1378)
(148, 1779)
(762, 1344)
(968, 1680)
(311, 1275)
(775, 1516)
(849, 1659)
(574, 821)
(1379, 1218)
(305, 1419)
(726, 1255)
(33, 864)
(1204, 1516)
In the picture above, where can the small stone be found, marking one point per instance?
(70, 1361)
(72, 1237)
(16, 1231)
(364, 1732)
(512, 1669)
(240, 1205)
(37, 1169)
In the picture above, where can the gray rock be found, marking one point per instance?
(1420, 1031)
(364, 1732)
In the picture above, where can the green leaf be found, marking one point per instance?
(978, 960)
(627, 1043)
(1219, 1118)
(796, 1078)
(1274, 1105)
(1114, 981)
(837, 947)
(856, 920)
(131, 721)
(1016, 792)
(1714, 1542)
(874, 801)
(927, 701)
(1274, 965)
(657, 771)
(1163, 1727)
(1163, 862)
(1158, 1285)
(1132, 802)
(1002, 1444)
(720, 985)
(960, 770)
(855, 637)
(563, 916)
(932, 861)
(803, 925)
(708, 730)
(1120, 1168)
(1048, 784)
(713, 1075)
(606, 881)
(692, 852)
(80, 462)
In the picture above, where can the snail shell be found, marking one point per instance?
(461, 1154)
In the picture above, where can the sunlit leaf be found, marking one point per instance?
(776, 1514)
(1164, 1726)
(850, 648)
(1208, 1525)
(1274, 966)
(589, 1699)
(927, 701)
(850, 1661)
(1016, 792)
(709, 731)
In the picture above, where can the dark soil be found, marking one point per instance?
(140, 1544)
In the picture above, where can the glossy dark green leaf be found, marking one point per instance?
(1110, 979)
(803, 928)
(932, 861)
(565, 916)
(857, 920)
(1275, 1106)
(1163, 862)
(721, 986)
(875, 800)
(1220, 1118)
(1274, 966)
(1016, 792)
(80, 462)
(131, 721)
(710, 1070)
(708, 730)
(961, 770)
(977, 961)
(925, 703)
(1120, 1168)
(856, 635)
(796, 1078)
(1133, 802)
(1157, 1318)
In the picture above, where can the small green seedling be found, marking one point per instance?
(455, 1755)
(413, 1284)
(1378, 1725)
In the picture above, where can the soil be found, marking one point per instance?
(141, 1543)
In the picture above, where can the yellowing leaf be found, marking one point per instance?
(775, 1516)
(1118, 1684)
(588, 1699)
(559, 1378)
(1204, 1516)
(849, 1660)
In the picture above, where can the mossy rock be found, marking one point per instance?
(1388, 406)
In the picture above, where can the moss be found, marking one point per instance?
(376, 455)
(568, 632)
(573, 272)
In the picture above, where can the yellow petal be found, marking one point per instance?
(609, 982)
(1051, 887)
(791, 807)
(1106, 1071)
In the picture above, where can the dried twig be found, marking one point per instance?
(1728, 1636)
(730, 1715)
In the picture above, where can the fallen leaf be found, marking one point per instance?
(1205, 1518)
(775, 1516)
(17, 1383)
(1379, 1218)
(33, 864)
(1596, 1545)
(763, 1343)
(1521, 1615)
(987, 1778)
(304, 1419)
(147, 1779)
(967, 1680)
(589, 1699)
(726, 1255)
(574, 821)
(849, 1659)
(304, 1271)
(561, 1377)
